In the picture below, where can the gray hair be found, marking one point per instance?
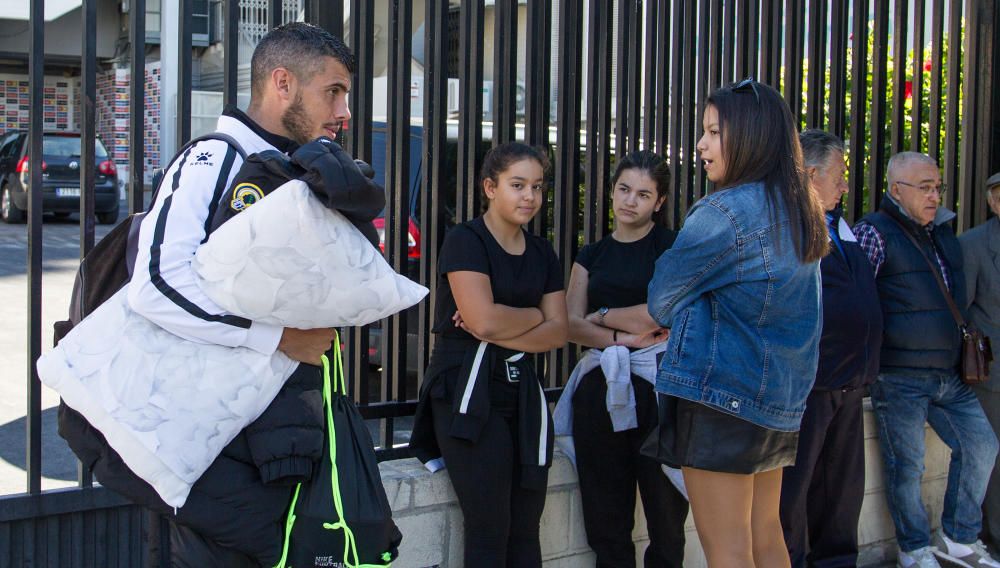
(298, 47)
(901, 161)
(817, 146)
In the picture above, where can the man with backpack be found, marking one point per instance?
(300, 77)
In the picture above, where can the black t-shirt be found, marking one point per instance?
(518, 281)
(619, 273)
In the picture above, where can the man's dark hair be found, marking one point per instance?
(298, 47)
(817, 145)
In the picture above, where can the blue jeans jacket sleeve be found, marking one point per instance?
(700, 260)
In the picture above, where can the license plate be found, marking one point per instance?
(67, 192)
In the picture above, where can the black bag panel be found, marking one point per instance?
(319, 535)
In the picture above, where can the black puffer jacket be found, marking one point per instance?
(240, 501)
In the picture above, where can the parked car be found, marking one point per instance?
(60, 177)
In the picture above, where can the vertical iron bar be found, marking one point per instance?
(231, 51)
(817, 64)
(728, 25)
(951, 120)
(504, 70)
(36, 86)
(838, 69)
(432, 221)
(937, 74)
(538, 89)
(539, 66)
(567, 175)
(622, 54)
(595, 208)
(470, 114)
(751, 41)
(794, 47)
(988, 137)
(650, 71)
(967, 191)
(661, 124)
(859, 105)
(88, 125)
(677, 103)
(880, 47)
(742, 37)
(184, 72)
(137, 103)
(88, 135)
(715, 46)
(327, 14)
(633, 110)
(359, 141)
(899, 29)
(274, 16)
(770, 43)
(705, 48)
(917, 90)
(397, 175)
(688, 111)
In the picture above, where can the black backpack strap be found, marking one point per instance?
(135, 221)
(180, 152)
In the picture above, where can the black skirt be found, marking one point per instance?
(695, 435)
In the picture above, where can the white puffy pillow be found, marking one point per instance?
(290, 261)
(167, 405)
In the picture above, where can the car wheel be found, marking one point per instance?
(9, 211)
(108, 217)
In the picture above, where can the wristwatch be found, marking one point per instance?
(601, 312)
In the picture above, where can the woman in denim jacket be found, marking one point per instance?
(740, 291)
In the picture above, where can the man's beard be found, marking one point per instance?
(296, 122)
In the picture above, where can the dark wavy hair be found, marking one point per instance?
(501, 157)
(760, 143)
(298, 47)
(657, 168)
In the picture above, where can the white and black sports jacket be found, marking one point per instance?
(163, 287)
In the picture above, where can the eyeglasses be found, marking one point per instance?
(927, 189)
(747, 84)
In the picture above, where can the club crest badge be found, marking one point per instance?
(245, 195)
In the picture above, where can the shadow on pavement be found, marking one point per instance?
(58, 462)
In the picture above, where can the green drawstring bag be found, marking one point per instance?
(341, 517)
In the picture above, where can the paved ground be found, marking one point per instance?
(60, 255)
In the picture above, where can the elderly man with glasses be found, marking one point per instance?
(911, 246)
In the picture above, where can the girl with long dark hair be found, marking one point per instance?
(609, 406)
(740, 291)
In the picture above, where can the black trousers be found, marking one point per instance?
(609, 466)
(501, 518)
(821, 494)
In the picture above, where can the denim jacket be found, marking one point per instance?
(744, 313)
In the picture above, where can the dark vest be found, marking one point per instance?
(920, 332)
(852, 320)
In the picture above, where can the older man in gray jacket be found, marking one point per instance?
(981, 252)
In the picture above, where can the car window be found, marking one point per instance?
(69, 146)
(7, 145)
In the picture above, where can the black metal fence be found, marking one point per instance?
(621, 74)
